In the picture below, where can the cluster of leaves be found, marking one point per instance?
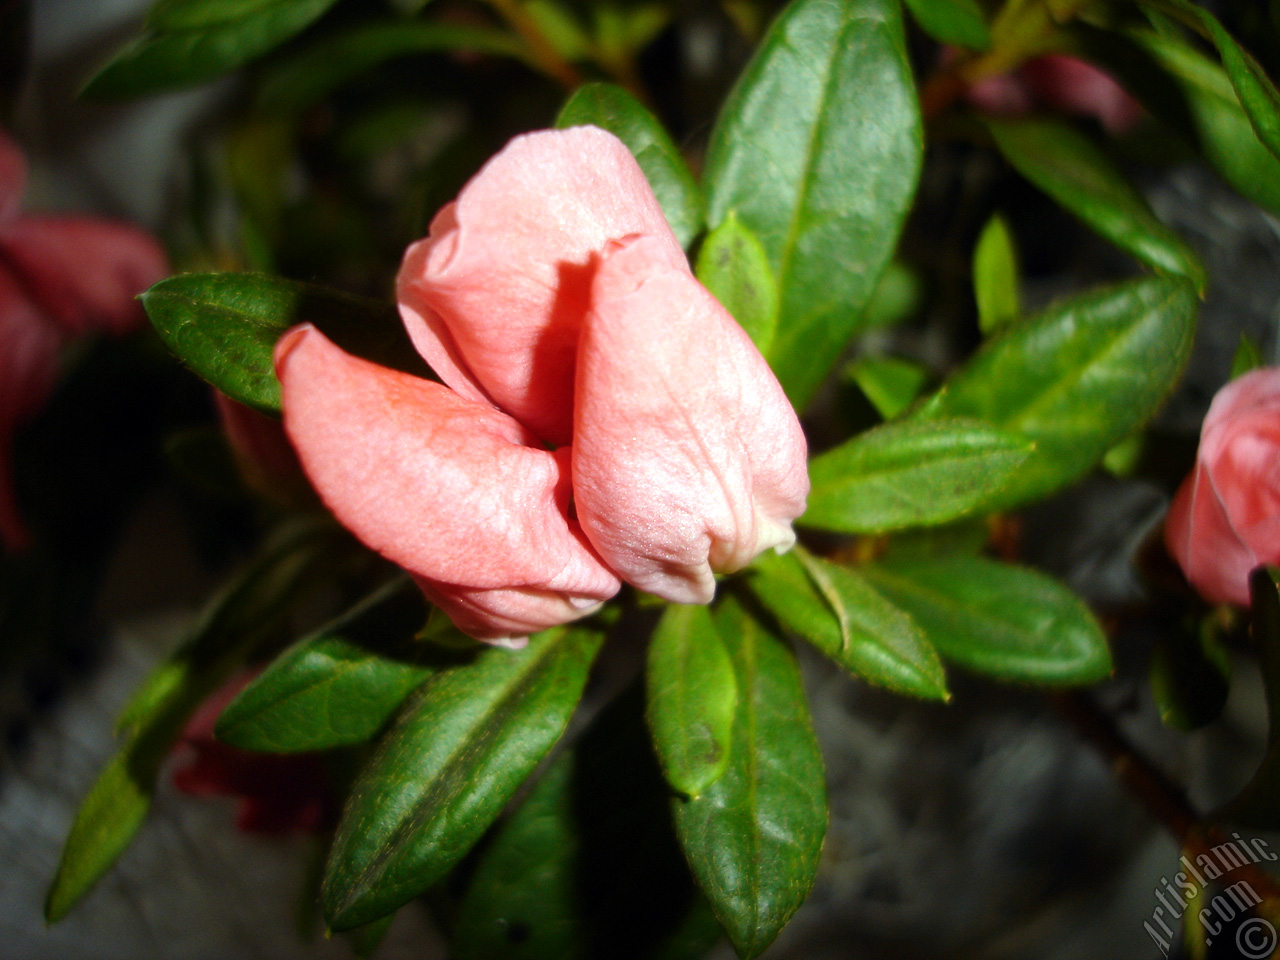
(811, 169)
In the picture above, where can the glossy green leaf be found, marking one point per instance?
(839, 613)
(995, 276)
(460, 748)
(1077, 378)
(339, 685)
(1069, 167)
(891, 383)
(754, 836)
(1257, 94)
(818, 151)
(911, 474)
(692, 695)
(733, 266)
(1257, 806)
(248, 610)
(997, 619)
(588, 866)
(224, 326)
(309, 76)
(612, 108)
(192, 41)
(958, 22)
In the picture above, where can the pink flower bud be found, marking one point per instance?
(558, 308)
(1225, 518)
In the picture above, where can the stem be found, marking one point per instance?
(543, 53)
(1159, 795)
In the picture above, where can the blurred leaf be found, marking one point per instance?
(754, 836)
(460, 748)
(1068, 166)
(1077, 378)
(588, 865)
(192, 41)
(969, 536)
(692, 695)
(996, 619)
(561, 28)
(1258, 95)
(1247, 357)
(891, 383)
(1191, 93)
(734, 267)
(306, 78)
(898, 295)
(612, 108)
(837, 611)
(1190, 676)
(339, 685)
(958, 22)
(1258, 805)
(224, 326)
(911, 474)
(248, 610)
(995, 276)
(818, 151)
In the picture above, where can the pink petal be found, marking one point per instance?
(687, 457)
(448, 488)
(262, 452)
(1200, 536)
(1074, 86)
(29, 347)
(84, 273)
(13, 177)
(494, 297)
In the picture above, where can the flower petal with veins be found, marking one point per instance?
(687, 456)
(454, 491)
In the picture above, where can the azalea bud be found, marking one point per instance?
(1225, 518)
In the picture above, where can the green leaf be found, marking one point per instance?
(1258, 805)
(612, 108)
(997, 619)
(958, 22)
(1069, 167)
(1247, 357)
(911, 474)
(193, 41)
(891, 383)
(1077, 378)
(462, 745)
(1258, 95)
(589, 862)
(898, 294)
(839, 613)
(754, 836)
(818, 151)
(733, 266)
(306, 78)
(224, 326)
(692, 698)
(248, 610)
(995, 276)
(339, 685)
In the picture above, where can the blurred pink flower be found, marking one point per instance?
(1061, 84)
(60, 277)
(1225, 518)
(278, 793)
(604, 417)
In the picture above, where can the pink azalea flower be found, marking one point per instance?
(1225, 518)
(1059, 83)
(60, 277)
(602, 417)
